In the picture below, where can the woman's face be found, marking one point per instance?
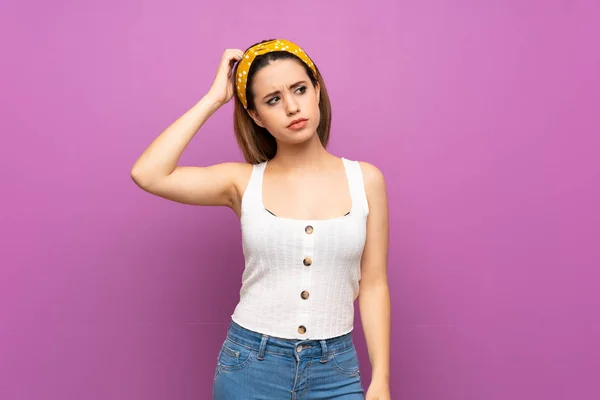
(283, 93)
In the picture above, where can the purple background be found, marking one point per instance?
(484, 117)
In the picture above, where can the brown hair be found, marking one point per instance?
(256, 143)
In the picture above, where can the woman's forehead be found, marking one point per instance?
(279, 73)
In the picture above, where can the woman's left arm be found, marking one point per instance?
(374, 294)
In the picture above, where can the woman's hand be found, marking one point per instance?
(378, 391)
(223, 87)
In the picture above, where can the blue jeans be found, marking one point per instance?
(253, 366)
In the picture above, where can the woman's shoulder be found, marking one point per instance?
(236, 168)
(371, 174)
(241, 171)
(375, 186)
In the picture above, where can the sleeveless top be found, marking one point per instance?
(301, 276)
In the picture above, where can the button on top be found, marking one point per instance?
(307, 261)
(304, 295)
(302, 329)
(309, 229)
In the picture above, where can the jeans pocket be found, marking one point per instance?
(346, 362)
(234, 356)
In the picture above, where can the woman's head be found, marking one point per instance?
(276, 86)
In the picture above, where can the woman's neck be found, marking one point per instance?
(310, 155)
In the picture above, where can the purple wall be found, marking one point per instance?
(483, 116)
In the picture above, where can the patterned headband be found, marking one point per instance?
(264, 48)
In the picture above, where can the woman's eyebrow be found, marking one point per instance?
(291, 87)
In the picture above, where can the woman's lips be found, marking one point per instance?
(298, 125)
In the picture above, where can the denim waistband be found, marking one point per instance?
(288, 347)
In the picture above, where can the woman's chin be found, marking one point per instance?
(296, 138)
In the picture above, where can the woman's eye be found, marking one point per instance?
(271, 101)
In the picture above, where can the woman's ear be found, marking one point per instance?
(318, 92)
(254, 115)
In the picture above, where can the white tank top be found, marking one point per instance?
(301, 276)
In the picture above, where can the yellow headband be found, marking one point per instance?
(264, 48)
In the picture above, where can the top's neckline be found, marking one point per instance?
(307, 221)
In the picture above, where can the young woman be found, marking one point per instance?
(314, 231)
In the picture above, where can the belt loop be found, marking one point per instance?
(263, 345)
(323, 351)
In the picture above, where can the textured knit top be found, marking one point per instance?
(301, 276)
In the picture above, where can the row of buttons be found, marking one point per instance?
(307, 262)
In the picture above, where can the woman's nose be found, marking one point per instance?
(291, 106)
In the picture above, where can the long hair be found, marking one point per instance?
(256, 143)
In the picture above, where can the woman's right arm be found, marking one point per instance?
(156, 170)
